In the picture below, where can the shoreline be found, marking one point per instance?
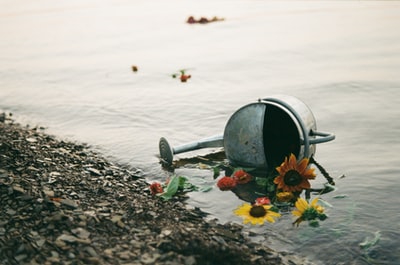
(63, 203)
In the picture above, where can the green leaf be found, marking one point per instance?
(261, 181)
(341, 196)
(313, 223)
(329, 187)
(216, 172)
(171, 188)
(206, 189)
(370, 242)
(325, 203)
(182, 182)
(270, 188)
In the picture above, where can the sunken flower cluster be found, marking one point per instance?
(229, 182)
(293, 177)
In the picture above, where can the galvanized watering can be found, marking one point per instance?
(261, 134)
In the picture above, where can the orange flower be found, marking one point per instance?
(155, 188)
(294, 176)
(226, 183)
(241, 176)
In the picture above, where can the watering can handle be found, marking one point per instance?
(324, 137)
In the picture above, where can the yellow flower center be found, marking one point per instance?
(258, 211)
(292, 178)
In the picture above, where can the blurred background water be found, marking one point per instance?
(66, 65)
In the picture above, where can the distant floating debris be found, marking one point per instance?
(182, 75)
(134, 68)
(203, 20)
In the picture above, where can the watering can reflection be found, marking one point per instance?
(261, 134)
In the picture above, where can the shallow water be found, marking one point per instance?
(66, 65)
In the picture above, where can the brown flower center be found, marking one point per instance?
(292, 178)
(257, 211)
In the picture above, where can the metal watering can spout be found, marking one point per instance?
(167, 152)
(259, 135)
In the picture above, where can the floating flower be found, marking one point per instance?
(191, 20)
(294, 176)
(241, 176)
(308, 212)
(263, 201)
(184, 77)
(256, 214)
(202, 20)
(156, 188)
(226, 183)
(284, 196)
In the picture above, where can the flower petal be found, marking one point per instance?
(302, 166)
(301, 204)
(292, 161)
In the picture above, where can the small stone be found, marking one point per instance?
(72, 239)
(91, 251)
(94, 171)
(18, 188)
(49, 193)
(69, 203)
(125, 255)
(166, 232)
(10, 212)
(190, 260)
(31, 140)
(149, 259)
(81, 233)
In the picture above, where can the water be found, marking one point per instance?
(66, 65)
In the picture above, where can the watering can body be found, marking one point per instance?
(259, 135)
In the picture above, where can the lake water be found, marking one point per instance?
(66, 65)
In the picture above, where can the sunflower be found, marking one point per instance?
(308, 212)
(294, 176)
(256, 214)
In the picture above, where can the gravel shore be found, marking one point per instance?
(63, 203)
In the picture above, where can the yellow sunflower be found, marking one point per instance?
(308, 212)
(256, 214)
(294, 176)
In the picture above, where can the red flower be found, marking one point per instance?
(184, 77)
(155, 188)
(241, 176)
(262, 201)
(226, 183)
(191, 20)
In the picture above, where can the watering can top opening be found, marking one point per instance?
(259, 135)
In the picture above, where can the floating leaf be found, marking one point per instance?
(325, 203)
(341, 196)
(216, 172)
(171, 188)
(262, 181)
(370, 242)
(205, 189)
